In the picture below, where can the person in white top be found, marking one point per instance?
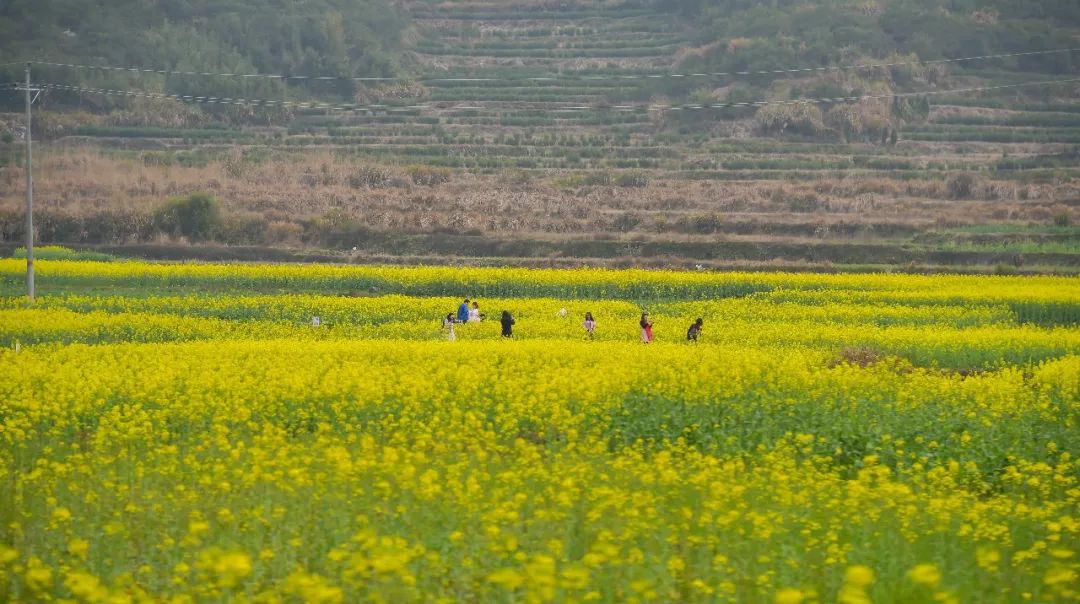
(448, 325)
(474, 313)
(589, 325)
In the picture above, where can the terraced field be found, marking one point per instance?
(554, 110)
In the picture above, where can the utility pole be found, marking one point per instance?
(29, 188)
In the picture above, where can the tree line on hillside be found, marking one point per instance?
(327, 37)
(353, 38)
(741, 35)
(749, 35)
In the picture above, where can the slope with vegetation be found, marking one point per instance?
(522, 131)
(332, 37)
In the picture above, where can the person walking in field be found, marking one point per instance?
(474, 313)
(589, 325)
(463, 312)
(448, 325)
(694, 331)
(646, 328)
(507, 324)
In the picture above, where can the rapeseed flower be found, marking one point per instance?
(165, 447)
(925, 574)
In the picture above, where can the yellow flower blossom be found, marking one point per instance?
(184, 433)
(925, 574)
(789, 596)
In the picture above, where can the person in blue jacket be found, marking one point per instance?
(463, 312)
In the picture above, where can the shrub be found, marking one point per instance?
(157, 159)
(516, 177)
(598, 178)
(782, 119)
(284, 232)
(961, 186)
(632, 179)
(796, 201)
(197, 217)
(50, 125)
(703, 224)
(369, 176)
(244, 229)
(56, 252)
(845, 119)
(804, 202)
(626, 222)
(1061, 217)
(428, 176)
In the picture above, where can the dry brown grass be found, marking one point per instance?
(292, 189)
(857, 355)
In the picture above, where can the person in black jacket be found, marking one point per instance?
(507, 324)
(694, 331)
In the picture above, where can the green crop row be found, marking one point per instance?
(512, 14)
(548, 54)
(557, 42)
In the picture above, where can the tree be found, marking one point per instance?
(197, 217)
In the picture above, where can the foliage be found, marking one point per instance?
(323, 37)
(632, 179)
(798, 118)
(370, 176)
(428, 176)
(961, 186)
(197, 217)
(54, 124)
(1061, 217)
(745, 35)
(57, 252)
(1043, 300)
(739, 36)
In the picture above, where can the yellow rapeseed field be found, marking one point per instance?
(183, 433)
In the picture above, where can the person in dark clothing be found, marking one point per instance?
(507, 324)
(694, 331)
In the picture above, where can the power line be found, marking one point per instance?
(564, 109)
(428, 79)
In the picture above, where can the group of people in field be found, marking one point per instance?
(647, 332)
(472, 314)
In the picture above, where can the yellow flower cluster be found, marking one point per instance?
(957, 336)
(829, 438)
(1039, 298)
